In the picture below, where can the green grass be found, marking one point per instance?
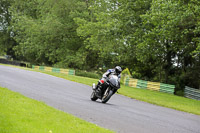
(154, 97)
(162, 99)
(19, 114)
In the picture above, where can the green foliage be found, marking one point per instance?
(180, 93)
(126, 72)
(101, 33)
(6, 41)
(169, 39)
(157, 40)
(87, 74)
(46, 32)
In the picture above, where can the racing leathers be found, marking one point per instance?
(105, 77)
(110, 71)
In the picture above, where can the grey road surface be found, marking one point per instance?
(121, 114)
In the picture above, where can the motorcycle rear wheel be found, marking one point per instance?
(93, 97)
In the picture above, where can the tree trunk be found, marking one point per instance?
(168, 63)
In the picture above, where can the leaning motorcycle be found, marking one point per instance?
(104, 91)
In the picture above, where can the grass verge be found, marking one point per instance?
(19, 114)
(163, 99)
(154, 97)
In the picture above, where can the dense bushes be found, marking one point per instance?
(87, 74)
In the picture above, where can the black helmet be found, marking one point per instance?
(118, 69)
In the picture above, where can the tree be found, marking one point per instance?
(46, 32)
(169, 29)
(157, 40)
(6, 40)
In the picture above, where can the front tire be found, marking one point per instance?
(107, 96)
(93, 97)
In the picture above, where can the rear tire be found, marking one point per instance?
(93, 97)
(107, 96)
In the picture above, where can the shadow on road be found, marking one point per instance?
(106, 104)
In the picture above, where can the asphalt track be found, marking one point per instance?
(121, 114)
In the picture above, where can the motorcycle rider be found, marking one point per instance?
(116, 71)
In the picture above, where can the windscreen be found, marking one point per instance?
(114, 80)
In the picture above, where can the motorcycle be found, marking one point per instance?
(104, 91)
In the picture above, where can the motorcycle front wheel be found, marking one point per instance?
(93, 97)
(108, 93)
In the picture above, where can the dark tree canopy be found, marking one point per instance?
(158, 40)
